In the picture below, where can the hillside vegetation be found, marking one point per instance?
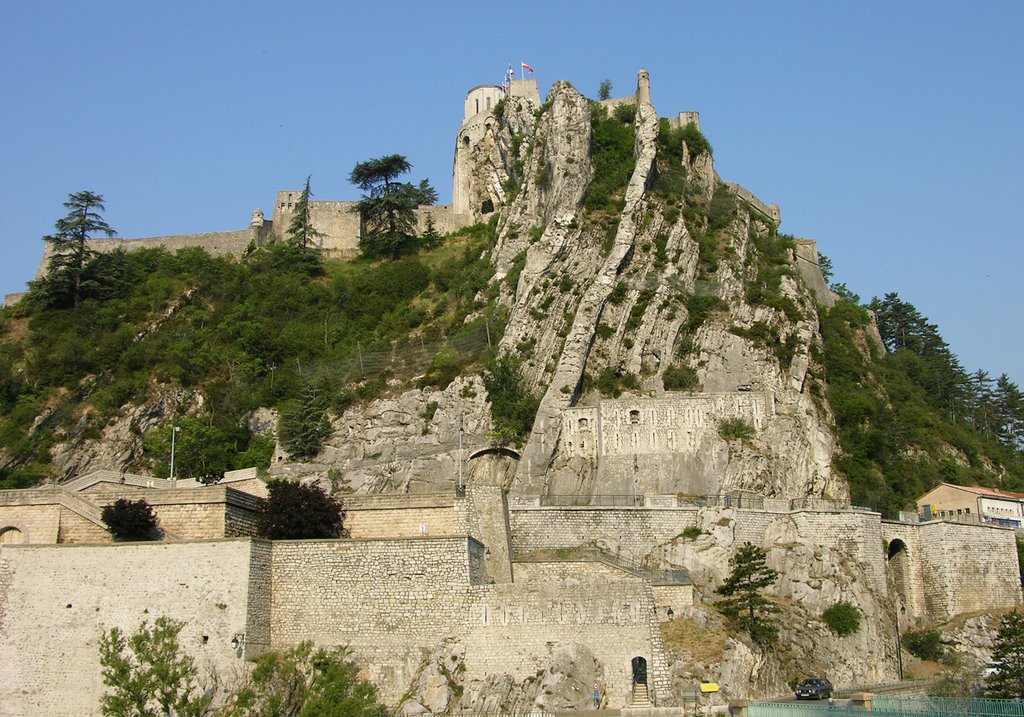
(280, 328)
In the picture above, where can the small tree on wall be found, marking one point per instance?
(742, 599)
(66, 280)
(388, 207)
(131, 520)
(295, 512)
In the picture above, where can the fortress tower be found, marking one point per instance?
(643, 87)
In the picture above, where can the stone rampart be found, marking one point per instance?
(215, 243)
(386, 599)
(341, 225)
(809, 268)
(944, 569)
(55, 602)
(770, 211)
(633, 533)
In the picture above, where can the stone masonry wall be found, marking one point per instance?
(957, 568)
(56, 600)
(36, 523)
(515, 629)
(384, 598)
(215, 243)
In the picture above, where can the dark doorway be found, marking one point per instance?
(639, 671)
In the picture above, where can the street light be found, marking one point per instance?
(899, 647)
(174, 432)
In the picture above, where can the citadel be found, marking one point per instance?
(536, 572)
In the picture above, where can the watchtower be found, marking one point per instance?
(643, 87)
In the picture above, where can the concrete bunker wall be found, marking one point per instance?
(56, 600)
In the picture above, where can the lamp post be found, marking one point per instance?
(174, 432)
(899, 647)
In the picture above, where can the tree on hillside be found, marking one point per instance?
(604, 91)
(302, 424)
(513, 406)
(301, 232)
(147, 675)
(388, 207)
(742, 599)
(70, 253)
(1007, 681)
(202, 451)
(306, 682)
(293, 511)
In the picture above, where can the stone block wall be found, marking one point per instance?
(673, 423)
(385, 516)
(386, 599)
(56, 600)
(956, 568)
(76, 529)
(29, 523)
(630, 532)
(515, 629)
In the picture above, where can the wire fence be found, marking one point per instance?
(411, 357)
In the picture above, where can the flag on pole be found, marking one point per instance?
(526, 68)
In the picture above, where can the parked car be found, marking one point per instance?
(814, 688)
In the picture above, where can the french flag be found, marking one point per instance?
(526, 68)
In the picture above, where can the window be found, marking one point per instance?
(634, 416)
(488, 103)
(584, 425)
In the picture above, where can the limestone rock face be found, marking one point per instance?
(566, 684)
(812, 578)
(120, 443)
(406, 443)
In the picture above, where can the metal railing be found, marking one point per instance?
(885, 704)
(623, 501)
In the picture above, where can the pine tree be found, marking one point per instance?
(301, 232)
(303, 426)
(1007, 681)
(70, 248)
(743, 601)
(388, 207)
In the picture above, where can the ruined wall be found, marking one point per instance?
(660, 445)
(809, 268)
(55, 601)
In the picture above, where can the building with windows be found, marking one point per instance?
(967, 503)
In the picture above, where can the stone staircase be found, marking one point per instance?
(640, 698)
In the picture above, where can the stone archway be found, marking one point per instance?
(897, 559)
(11, 536)
(639, 665)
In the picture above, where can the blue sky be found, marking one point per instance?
(888, 131)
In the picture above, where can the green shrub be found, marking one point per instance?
(695, 140)
(604, 331)
(842, 618)
(692, 532)
(618, 294)
(611, 151)
(699, 308)
(679, 378)
(925, 644)
(625, 113)
(513, 407)
(733, 429)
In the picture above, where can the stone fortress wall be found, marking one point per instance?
(672, 423)
(442, 578)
